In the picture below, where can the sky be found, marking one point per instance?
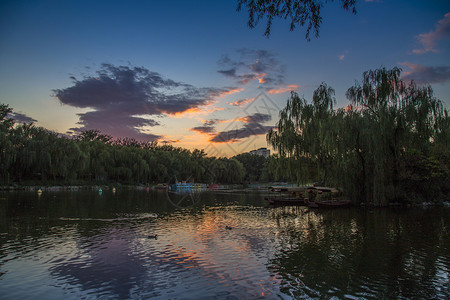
(192, 73)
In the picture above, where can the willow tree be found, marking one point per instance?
(299, 12)
(401, 117)
(304, 133)
(6, 145)
(369, 147)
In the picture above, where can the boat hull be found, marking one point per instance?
(330, 204)
(286, 201)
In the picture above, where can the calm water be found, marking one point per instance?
(82, 245)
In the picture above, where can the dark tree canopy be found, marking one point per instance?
(390, 145)
(298, 12)
(31, 155)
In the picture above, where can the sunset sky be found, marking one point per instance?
(192, 73)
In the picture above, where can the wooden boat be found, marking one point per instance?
(333, 203)
(324, 197)
(286, 200)
(311, 204)
(287, 196)
(311, 196)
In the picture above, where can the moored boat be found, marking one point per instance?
(311, 204)
(333, 203)
(324, 197)
(287, 195)
(286, 200)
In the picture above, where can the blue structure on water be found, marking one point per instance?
(187, 187)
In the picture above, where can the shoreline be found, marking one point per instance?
(111, 185)
(58, 188)
(230, 190)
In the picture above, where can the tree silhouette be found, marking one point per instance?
(298, 12)
(389, 145)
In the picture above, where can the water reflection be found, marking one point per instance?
(103, 264)
(83, 245)
(197, 248)
(368, 254)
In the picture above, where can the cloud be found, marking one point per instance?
(429, 40)
(116, 124)
(119, 95)
(170, 141)
(227, 92)
(241, 102)
(21, 118)
(234, 135)
(342, 56)
(249, 65)
(208, 127)
(252, 126)
(256, 118)
(285, 89)
(229, 73)
(426, 75)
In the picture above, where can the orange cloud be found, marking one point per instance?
(213, 109)
(194, 110)
(226, 93)
(241, 102)
(166, 139)
(170, 141)
(243, 119)
(260, 77)
(289, 88)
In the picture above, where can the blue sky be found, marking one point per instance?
(192, 73)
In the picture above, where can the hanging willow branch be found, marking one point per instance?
(298, 12)
(363, 147)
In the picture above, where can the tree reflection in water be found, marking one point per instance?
(370, 254)
(98, 246)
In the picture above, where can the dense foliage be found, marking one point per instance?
(254, 165)
(391, 144)
(260, 169)
(34, 155)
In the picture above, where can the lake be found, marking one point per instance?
(212, 245)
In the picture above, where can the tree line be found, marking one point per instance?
(33, 155)
(389, 145)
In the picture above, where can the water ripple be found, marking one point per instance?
(221, 251)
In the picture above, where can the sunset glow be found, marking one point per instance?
(158, 77)
(289, 88)
(241, 102)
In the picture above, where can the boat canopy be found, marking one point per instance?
(287, 189)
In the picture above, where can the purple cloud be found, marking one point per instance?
(235, 135)
(21, 118)
(120, 125)
(250, 65)
(208, 127)
(426, 75)
(251, 127)
(257, 118)
(121, 96)
(429, 40)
